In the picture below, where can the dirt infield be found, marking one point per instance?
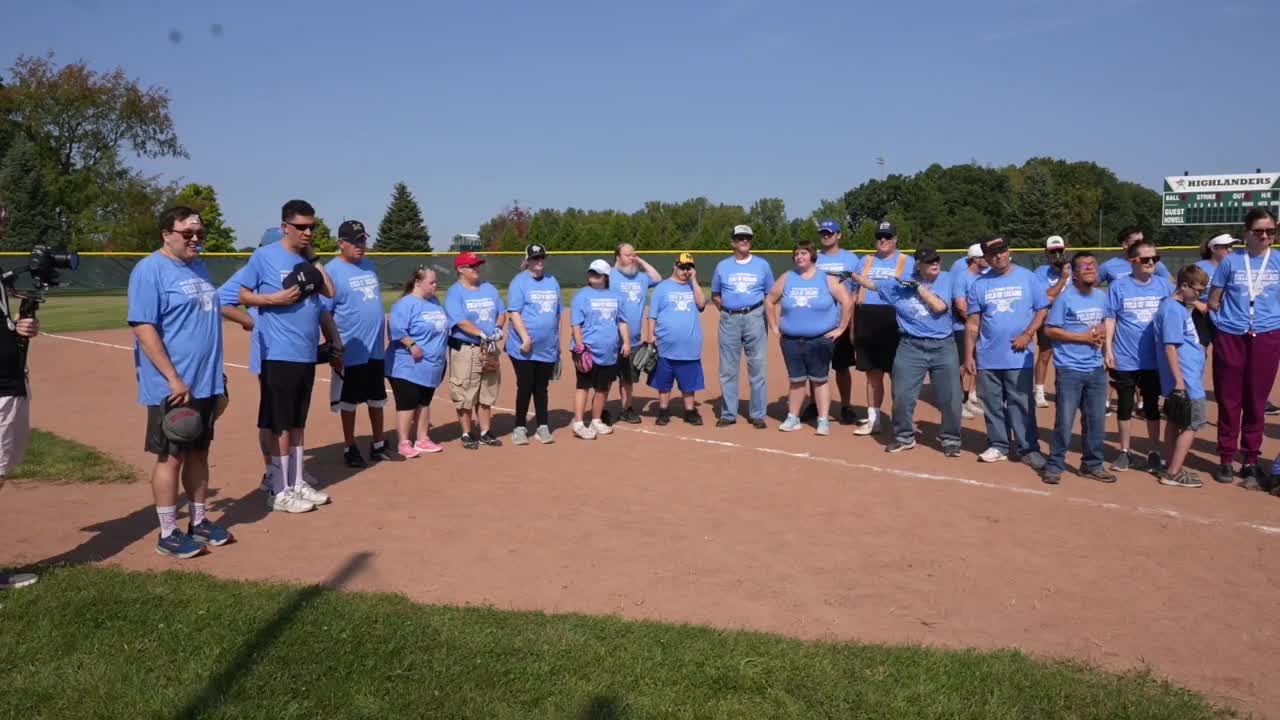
(791, 533)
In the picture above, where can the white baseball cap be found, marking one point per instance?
(975, 250)
(1055, 242)
(599, 267)
(743, 230)
(1223, 239)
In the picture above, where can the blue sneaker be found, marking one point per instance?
(179, 545)
(209, 533)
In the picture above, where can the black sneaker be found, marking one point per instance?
(1272, 409)
(758, 423)
(951, 451)
(692, 417)
(846, 416)
(353, 458)
(1249, 477)
(1155, 463)
(897, 446)
(378, 452)
(1051, 477)
(490, 440)
(469, 442)
(1224, 474)
(664, 417)
(726, 422)
(629, 416)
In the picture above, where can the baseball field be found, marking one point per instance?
(659, 572)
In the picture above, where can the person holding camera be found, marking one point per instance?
(477, 317)
(1056, 274)
(285, 285)
(177, 325)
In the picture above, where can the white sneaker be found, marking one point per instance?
(1041, 400)
(600, 428)
(288, 501)
(991, 455)
(583, 431)
(966, 413)
(520, 436)
(304, 490)
(870, 428)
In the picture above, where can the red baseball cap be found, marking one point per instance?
(466, 258)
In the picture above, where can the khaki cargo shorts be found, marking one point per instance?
(468, 386)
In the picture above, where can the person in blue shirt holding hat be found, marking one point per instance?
(674, 322)
(177, 326)
(738, 288)
(875, 322)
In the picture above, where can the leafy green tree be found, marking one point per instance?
(322, 238)
(32, 220)
(204, 200)
(402, 228)
(1038, 210)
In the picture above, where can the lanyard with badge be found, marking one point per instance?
(1255, 289)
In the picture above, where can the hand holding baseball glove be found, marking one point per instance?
(1177, 409)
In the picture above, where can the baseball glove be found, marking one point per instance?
(1177, 409)
(582, 360)
(489, 355)
(644, 357)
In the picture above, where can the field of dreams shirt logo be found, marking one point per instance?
(200, 291)
(742, 282)
(366, 285)
(802, 296)
(682, 300)
(545, 300)
(1092, 316)
(435, 318)
(606, 307)
(1260, 280)
(632, 289)
(1003, 298)
(916, 307)
(1143, 308)
(482, 307)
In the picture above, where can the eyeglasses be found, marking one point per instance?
(742, 238)
(301, 227)
(1198, 289)
(1149, 260)
(189, 233)
(1055, 252)
(884, 237)
(1265, 232)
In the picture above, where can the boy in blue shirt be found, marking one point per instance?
(1180, 357)
(356, 310)
(174, 313)
(738, 288)
(675, 323)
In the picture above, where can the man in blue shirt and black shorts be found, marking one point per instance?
(875, 323)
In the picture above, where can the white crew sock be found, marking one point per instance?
(872, 415)
(295, 464)
(279, 474)
(168, 519)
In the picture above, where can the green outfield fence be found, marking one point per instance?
(109, 272)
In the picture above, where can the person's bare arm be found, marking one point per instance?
(648, 270)
(1171, 354)
(971, 326)
(153, 347)
(699, 298)
(842, 296)
(1215, 299)
(624, 331)
(522, 331)
(773, 306)
(935, 303)
(1109, 325)
(238, 316)
(327, 289)
(249, 298)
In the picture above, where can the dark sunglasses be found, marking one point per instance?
(742, 238)
(1148, 260)
(1263, 231)
(188, 234)
(685, 267)
(301, 227)
(1056, 252)
(825, 233)
(883, 237)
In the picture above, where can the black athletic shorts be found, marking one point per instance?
(410, 395)
(157, 444)
(875, 338)
(359, 384)
(842, 354)
(284, 394)
(599, 379)
(1146, 382)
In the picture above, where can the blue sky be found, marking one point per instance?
(607, 105)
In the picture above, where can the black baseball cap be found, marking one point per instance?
(352, 231)
(886, 229)
(926, 254)
(992, 246)
(305, 276)
(535, 251)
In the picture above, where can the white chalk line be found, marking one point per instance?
(1139, 510)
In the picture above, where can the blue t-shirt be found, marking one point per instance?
(634, 290)
(961, 281)
(357, 310)
(1133, 305)
(1008, 304)
(538, 302)
(885, 269)
(425, 321)
(481, 306)
(289, 333)
(677, 324)
(1232, 316)
(960, 265)
(808, 307)
(841, 260)
(229, 296)
(914, 317)
(1049, 274)
(742, 284)
(1173, 326)
(1076, 313)
(181, 302)
(1118, 267)
(598, 313)
(1210, 269)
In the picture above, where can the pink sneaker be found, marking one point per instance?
(426, 446)
(408, 450)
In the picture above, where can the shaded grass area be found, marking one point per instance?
(51, 458)
(99, 642)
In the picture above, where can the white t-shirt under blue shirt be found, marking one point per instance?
(481, 306)
(915, 319)
(181, 302)
(539, 305)
(1232, 316)
(741, 284)
(678, 324)
(599, 312)
(1173, 326)
(1076, 312)
(357, 310)
(1008, 304)
(289, 333)
(1133, 304)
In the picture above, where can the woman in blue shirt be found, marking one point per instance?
(1212, 252)
(809, 310)
(600, 329)
(533, 304)
(419, 331)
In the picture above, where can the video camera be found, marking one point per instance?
(43, 267)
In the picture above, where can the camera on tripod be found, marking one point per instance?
(43, 267)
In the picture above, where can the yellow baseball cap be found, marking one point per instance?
(685, 259)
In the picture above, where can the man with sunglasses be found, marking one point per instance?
(1131, 349)
(1056, 274)
(356, 310)
(1006, 308)
(177, 326)
(1244, 304)
(833, 259)
(1119, 266)
(738, 288)
(875, 323)
(288, 332)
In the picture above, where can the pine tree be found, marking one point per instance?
(1038, 211)
(32, 220)
(402, 228)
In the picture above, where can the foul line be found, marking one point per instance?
(1139, 510)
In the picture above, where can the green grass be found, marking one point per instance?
(55, 459)
(105, 643)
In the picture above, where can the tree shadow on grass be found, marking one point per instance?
(603, 707)
(220, 687)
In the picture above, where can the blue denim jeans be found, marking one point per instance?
(937, 357)
(1084, 391)
(739, 334)
(1006, 399)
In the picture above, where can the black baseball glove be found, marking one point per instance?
(1177, 409)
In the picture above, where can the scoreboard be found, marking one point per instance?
(1218, 199)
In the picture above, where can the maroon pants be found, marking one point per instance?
(1244, 369)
